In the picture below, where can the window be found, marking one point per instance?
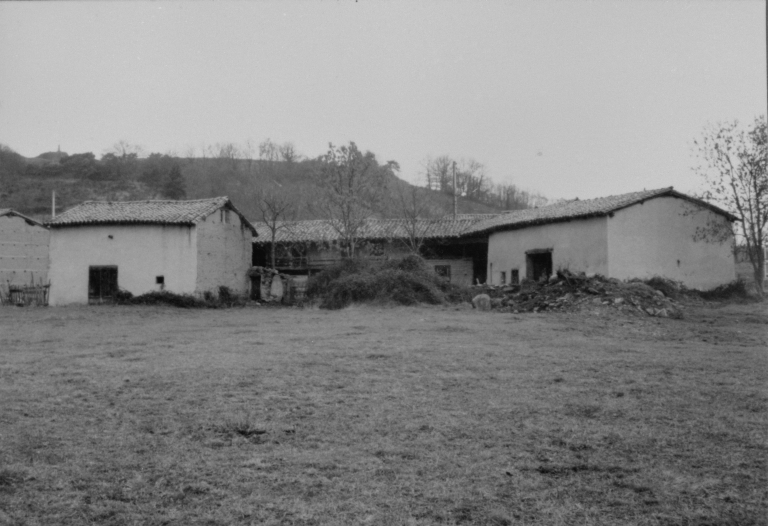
(503, 277)
(160, 282)
(514, 277)
(444, 271)
(102, 284)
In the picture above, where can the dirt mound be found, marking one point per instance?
(566, 291)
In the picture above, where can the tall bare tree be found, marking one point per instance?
(415, 209)
(353, 185)
(733, 165)
(277, 210)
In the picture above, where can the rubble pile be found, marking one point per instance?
(568, 291)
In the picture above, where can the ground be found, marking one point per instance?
(375, 415)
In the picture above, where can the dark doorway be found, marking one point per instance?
(538, 264)
(102, 284)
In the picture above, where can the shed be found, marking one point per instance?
(186, 247)
(305, 247)
(635, 235)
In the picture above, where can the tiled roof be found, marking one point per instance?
(143, 212)
(580, 209)
(321, 230)
(11, 212)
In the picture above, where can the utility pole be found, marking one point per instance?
(53, 205)
(455, 197)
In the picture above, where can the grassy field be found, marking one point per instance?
(154, 415)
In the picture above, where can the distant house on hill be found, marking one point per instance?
(141, 246)
(23, 250)
(635, 235)
(305, 247)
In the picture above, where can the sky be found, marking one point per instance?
(566, 98)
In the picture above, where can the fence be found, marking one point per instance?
(25, 295)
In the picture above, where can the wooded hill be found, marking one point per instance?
(26, 184)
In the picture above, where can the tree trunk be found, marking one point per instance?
(760, 270)
(272, 250)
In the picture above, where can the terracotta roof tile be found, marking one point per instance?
(321, 230)
(580, 209)
(143, 212)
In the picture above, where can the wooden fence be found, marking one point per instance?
(25, 295)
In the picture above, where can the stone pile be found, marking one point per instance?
(568, 291)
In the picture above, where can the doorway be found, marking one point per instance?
(538, 263)
(102, 284)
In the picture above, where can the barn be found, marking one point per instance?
(306, 247)
(190, 247)
(23, 251)
(637, 235)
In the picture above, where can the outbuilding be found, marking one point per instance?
(186, 247)
(23, 250)
(637, 235)
(306, 247)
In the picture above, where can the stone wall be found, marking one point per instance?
(23, 252)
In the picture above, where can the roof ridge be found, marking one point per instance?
(157, 200)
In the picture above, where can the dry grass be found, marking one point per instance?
(153, 415)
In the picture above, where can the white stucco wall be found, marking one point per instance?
(23, 252)
(656, 238)
(140, 252)
(577, 245)
(224, 253)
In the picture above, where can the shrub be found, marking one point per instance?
(406, 281)
(185, 301)
(735, 290)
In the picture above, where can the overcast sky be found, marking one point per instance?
(571, 99)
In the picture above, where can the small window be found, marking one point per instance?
(503, 277)
(226, 216)
(160, 280)
(514, 277)
(444, 271)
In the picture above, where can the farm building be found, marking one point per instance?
(23, 250)
(636, 235)
(305, 247)
(178, 246)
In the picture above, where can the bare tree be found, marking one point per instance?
(277, 209)
(229, 152)
(269, 151)
(353, 186)
(124, 149)
(288, 153)
(415, 209)
(733, 165)
(247, 151)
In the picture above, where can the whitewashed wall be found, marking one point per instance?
(577, 245)
(656, 238)
(224, 253)
(140, 252)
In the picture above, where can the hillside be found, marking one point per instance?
(27, 184)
